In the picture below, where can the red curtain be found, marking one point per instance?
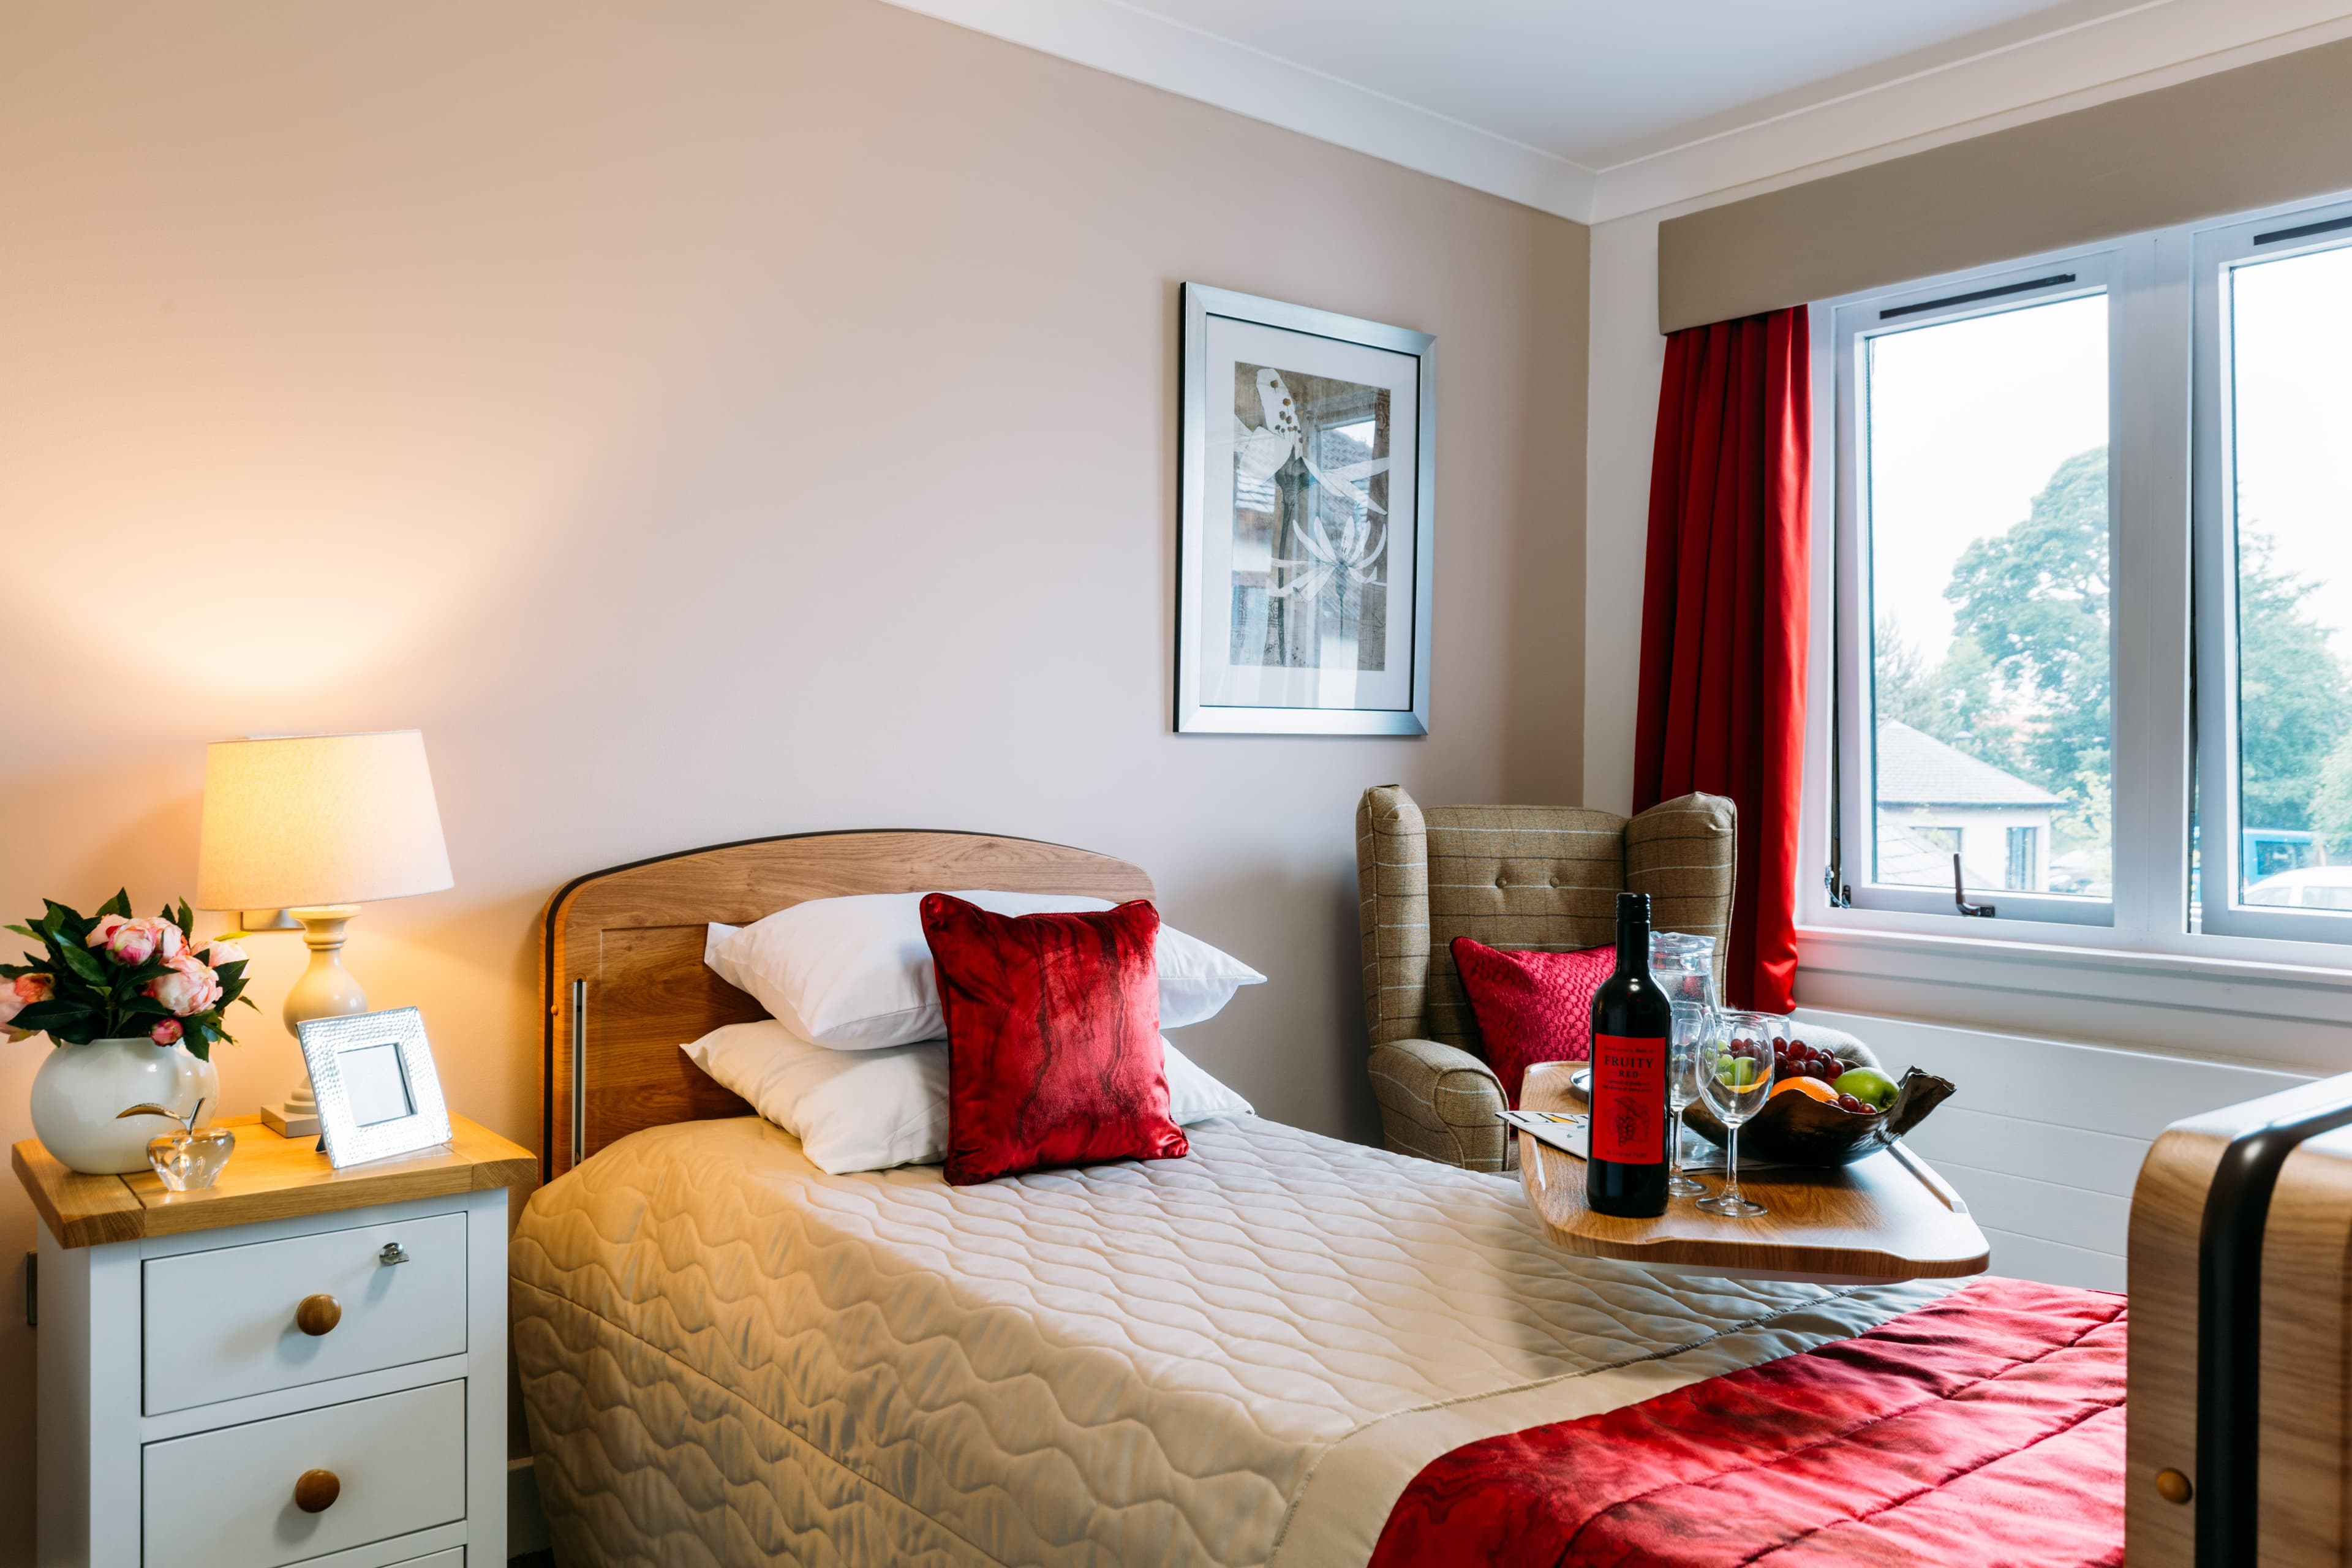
(1723, 615)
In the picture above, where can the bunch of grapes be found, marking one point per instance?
(1794, 1059)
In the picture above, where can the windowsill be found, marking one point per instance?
(2238, 975)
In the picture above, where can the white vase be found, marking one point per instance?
(79, 1091)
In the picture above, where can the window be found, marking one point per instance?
(2029, 679)
(1977, 528)
(2275, 579)
(2023, 859)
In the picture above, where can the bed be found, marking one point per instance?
(1282, 1349)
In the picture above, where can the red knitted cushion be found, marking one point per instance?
(1532, 1006)
(1054, 1054)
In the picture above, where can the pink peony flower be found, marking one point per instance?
(188, 988)
(133, 942)
(101, 933)
(166, 1033)
(221, 953)
(21, 992)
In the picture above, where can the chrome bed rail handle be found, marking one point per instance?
(578, 1070)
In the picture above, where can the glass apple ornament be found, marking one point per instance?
(189, 1160)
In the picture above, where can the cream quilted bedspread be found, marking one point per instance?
(730, 1357)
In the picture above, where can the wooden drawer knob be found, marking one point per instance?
(316, 1490)
(318, 1315)
(2173, 1486)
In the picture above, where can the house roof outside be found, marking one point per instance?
(1916, 769)
(1909, 858)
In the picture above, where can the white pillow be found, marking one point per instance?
(855, 973)
(868, 1110)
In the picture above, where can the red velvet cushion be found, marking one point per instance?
(1532, 1006)
(1053, 1053)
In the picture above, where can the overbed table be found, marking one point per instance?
(1887, 1217)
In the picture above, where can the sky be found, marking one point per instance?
(1968, 421)
(2293, 336)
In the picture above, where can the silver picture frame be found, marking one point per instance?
(1219, 647)
(379, 1095)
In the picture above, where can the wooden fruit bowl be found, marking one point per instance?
(1797, 1129)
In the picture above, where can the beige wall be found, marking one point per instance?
(704, 420)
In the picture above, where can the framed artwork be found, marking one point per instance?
(379, 1094)
(1304, 535)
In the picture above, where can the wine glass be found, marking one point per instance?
(1688, 1033)
(1735, 1074)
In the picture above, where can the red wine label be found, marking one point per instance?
(1629, 1099)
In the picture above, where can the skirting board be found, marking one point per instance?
(2045, 1138)
(526, 1522)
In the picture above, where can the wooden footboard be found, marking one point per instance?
(2240, 1368)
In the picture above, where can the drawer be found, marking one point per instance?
(225, 1498)
(452, 1558)
(222, 1324)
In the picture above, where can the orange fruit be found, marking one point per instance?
(1811, 1086)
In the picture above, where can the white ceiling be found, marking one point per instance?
(1594, 108)
(1594, 83)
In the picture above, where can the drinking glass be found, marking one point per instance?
(1682, 1042)
(1735, 1074)
(1684, 967)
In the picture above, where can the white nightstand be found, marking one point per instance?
(300, 1364)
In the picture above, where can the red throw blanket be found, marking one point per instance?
(1985, 1431)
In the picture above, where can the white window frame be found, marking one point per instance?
(2218, 250)
(2087, 274)
(2165, 414)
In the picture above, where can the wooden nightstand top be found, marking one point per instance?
(267, 1177)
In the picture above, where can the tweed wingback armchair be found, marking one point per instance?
(1511, 876)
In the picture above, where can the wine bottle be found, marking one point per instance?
(1626, 1173)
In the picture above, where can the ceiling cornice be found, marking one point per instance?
(2052, 73)
(2068, 68)
(1183, 60)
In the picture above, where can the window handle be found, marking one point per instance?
(1960, 893)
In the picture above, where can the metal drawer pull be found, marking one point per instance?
(392, 1253)
(315, 1491)
(318, 1315)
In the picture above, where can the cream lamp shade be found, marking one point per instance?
(317, 826)
(312, 820)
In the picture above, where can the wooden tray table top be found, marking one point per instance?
(1887, 1217)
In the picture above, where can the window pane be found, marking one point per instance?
(1987, 550)
(2291, 338)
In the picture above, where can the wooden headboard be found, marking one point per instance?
(625, 985)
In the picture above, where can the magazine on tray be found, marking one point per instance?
(1567, 1131)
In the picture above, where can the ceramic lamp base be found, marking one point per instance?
(325, 990)
(298, 1117)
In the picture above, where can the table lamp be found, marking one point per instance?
(315, 825)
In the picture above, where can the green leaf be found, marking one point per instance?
(64, 1020)
(187, 921)
(117, 905)
(85, 964)
(26, 931)
(145, 1007)
(250, 1003)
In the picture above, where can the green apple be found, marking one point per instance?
(1868, 1085)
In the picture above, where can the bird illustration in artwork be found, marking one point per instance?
(1262, 452)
